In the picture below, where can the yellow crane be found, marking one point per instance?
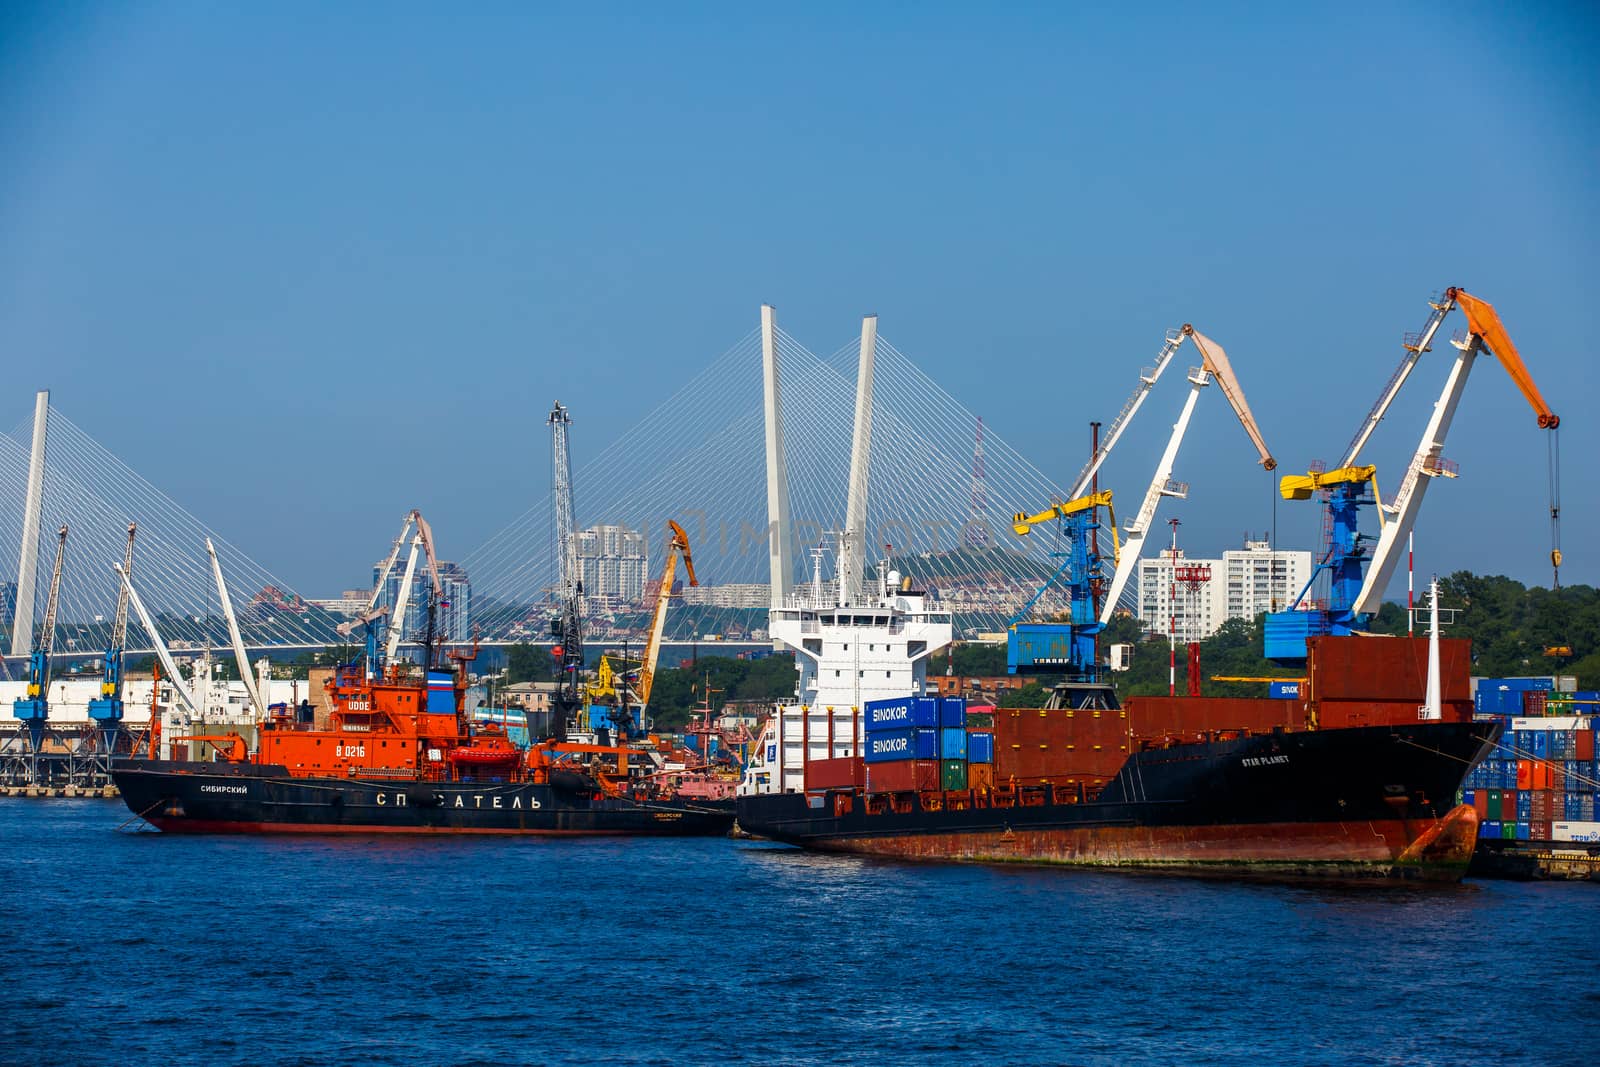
(677, 545)
(1022, 523)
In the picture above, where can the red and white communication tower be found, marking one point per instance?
(1191, 578)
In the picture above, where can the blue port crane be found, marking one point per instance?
(1359, 567)
(34, 708)
(105, 711)
(1065, 647)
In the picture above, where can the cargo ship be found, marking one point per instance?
(1343, 782)
(1348, 779)
(397, 754)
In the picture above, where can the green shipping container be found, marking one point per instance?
(1495, 806)
(953, 774)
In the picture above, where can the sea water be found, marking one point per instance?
(147, 948)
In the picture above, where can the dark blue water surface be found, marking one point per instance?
(147, 948)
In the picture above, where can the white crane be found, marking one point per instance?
(245, 674)
(1214, 367)
(1485, 333)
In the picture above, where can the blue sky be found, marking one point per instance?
(235, 242)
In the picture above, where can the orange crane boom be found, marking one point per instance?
(677, 544)
(1483, 321)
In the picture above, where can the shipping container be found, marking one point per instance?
(1480, 804)
(889, 745)
(952, 713)
(1497, 805)
(1583, 745)
(843, 773)
(1587, 831)
(953, 773)
(903, 776)
(1490, 828)
(1539, 831)
(1526, 808)
(980, 776)
(980, 748)
(953, 744)
(1524, 831)
(902, 713)
(980, 720)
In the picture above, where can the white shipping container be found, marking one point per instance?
(1575, 831)
(1555, 722)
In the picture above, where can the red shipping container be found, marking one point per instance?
(1541, 810)
(903, 776)
(1583, 744)
(844, 772)
(1558, 780)
(1539, 831)
(1480, 803)
(1524, 774)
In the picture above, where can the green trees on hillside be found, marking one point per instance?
(677, 692)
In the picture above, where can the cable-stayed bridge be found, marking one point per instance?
(943, 488)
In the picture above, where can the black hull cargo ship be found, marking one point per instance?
(252, 798)
(1362, 802)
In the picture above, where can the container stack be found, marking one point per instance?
(924, 744)
(1504, 699)
(1541, 783)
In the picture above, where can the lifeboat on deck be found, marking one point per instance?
(489, 751)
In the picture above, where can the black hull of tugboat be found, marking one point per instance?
(245, 798)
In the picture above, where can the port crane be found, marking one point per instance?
(106, 710)
(1214, 366)
(677, 545)
(1071, 645)
(1050, 646)
(567, 624)
(421, 540)
(1055, 646)
(163, 658)
(34, 708)
(235, 638)
(1360, 570)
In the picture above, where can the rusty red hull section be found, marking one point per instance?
(1310, 850)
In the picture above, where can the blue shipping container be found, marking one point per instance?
(1524, 805)
(953, 744)
(1574, 808)
(1468, 796)
(1490, 829)
(980, 748)
(1524, 831)
(886, 746)
(1538, 743)
(901, 713)
(952, 713)
(1283, 690)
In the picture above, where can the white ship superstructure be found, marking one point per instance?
(853, 640)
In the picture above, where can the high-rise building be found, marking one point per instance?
(614, 565)
(1196, 596)
(452, 618)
